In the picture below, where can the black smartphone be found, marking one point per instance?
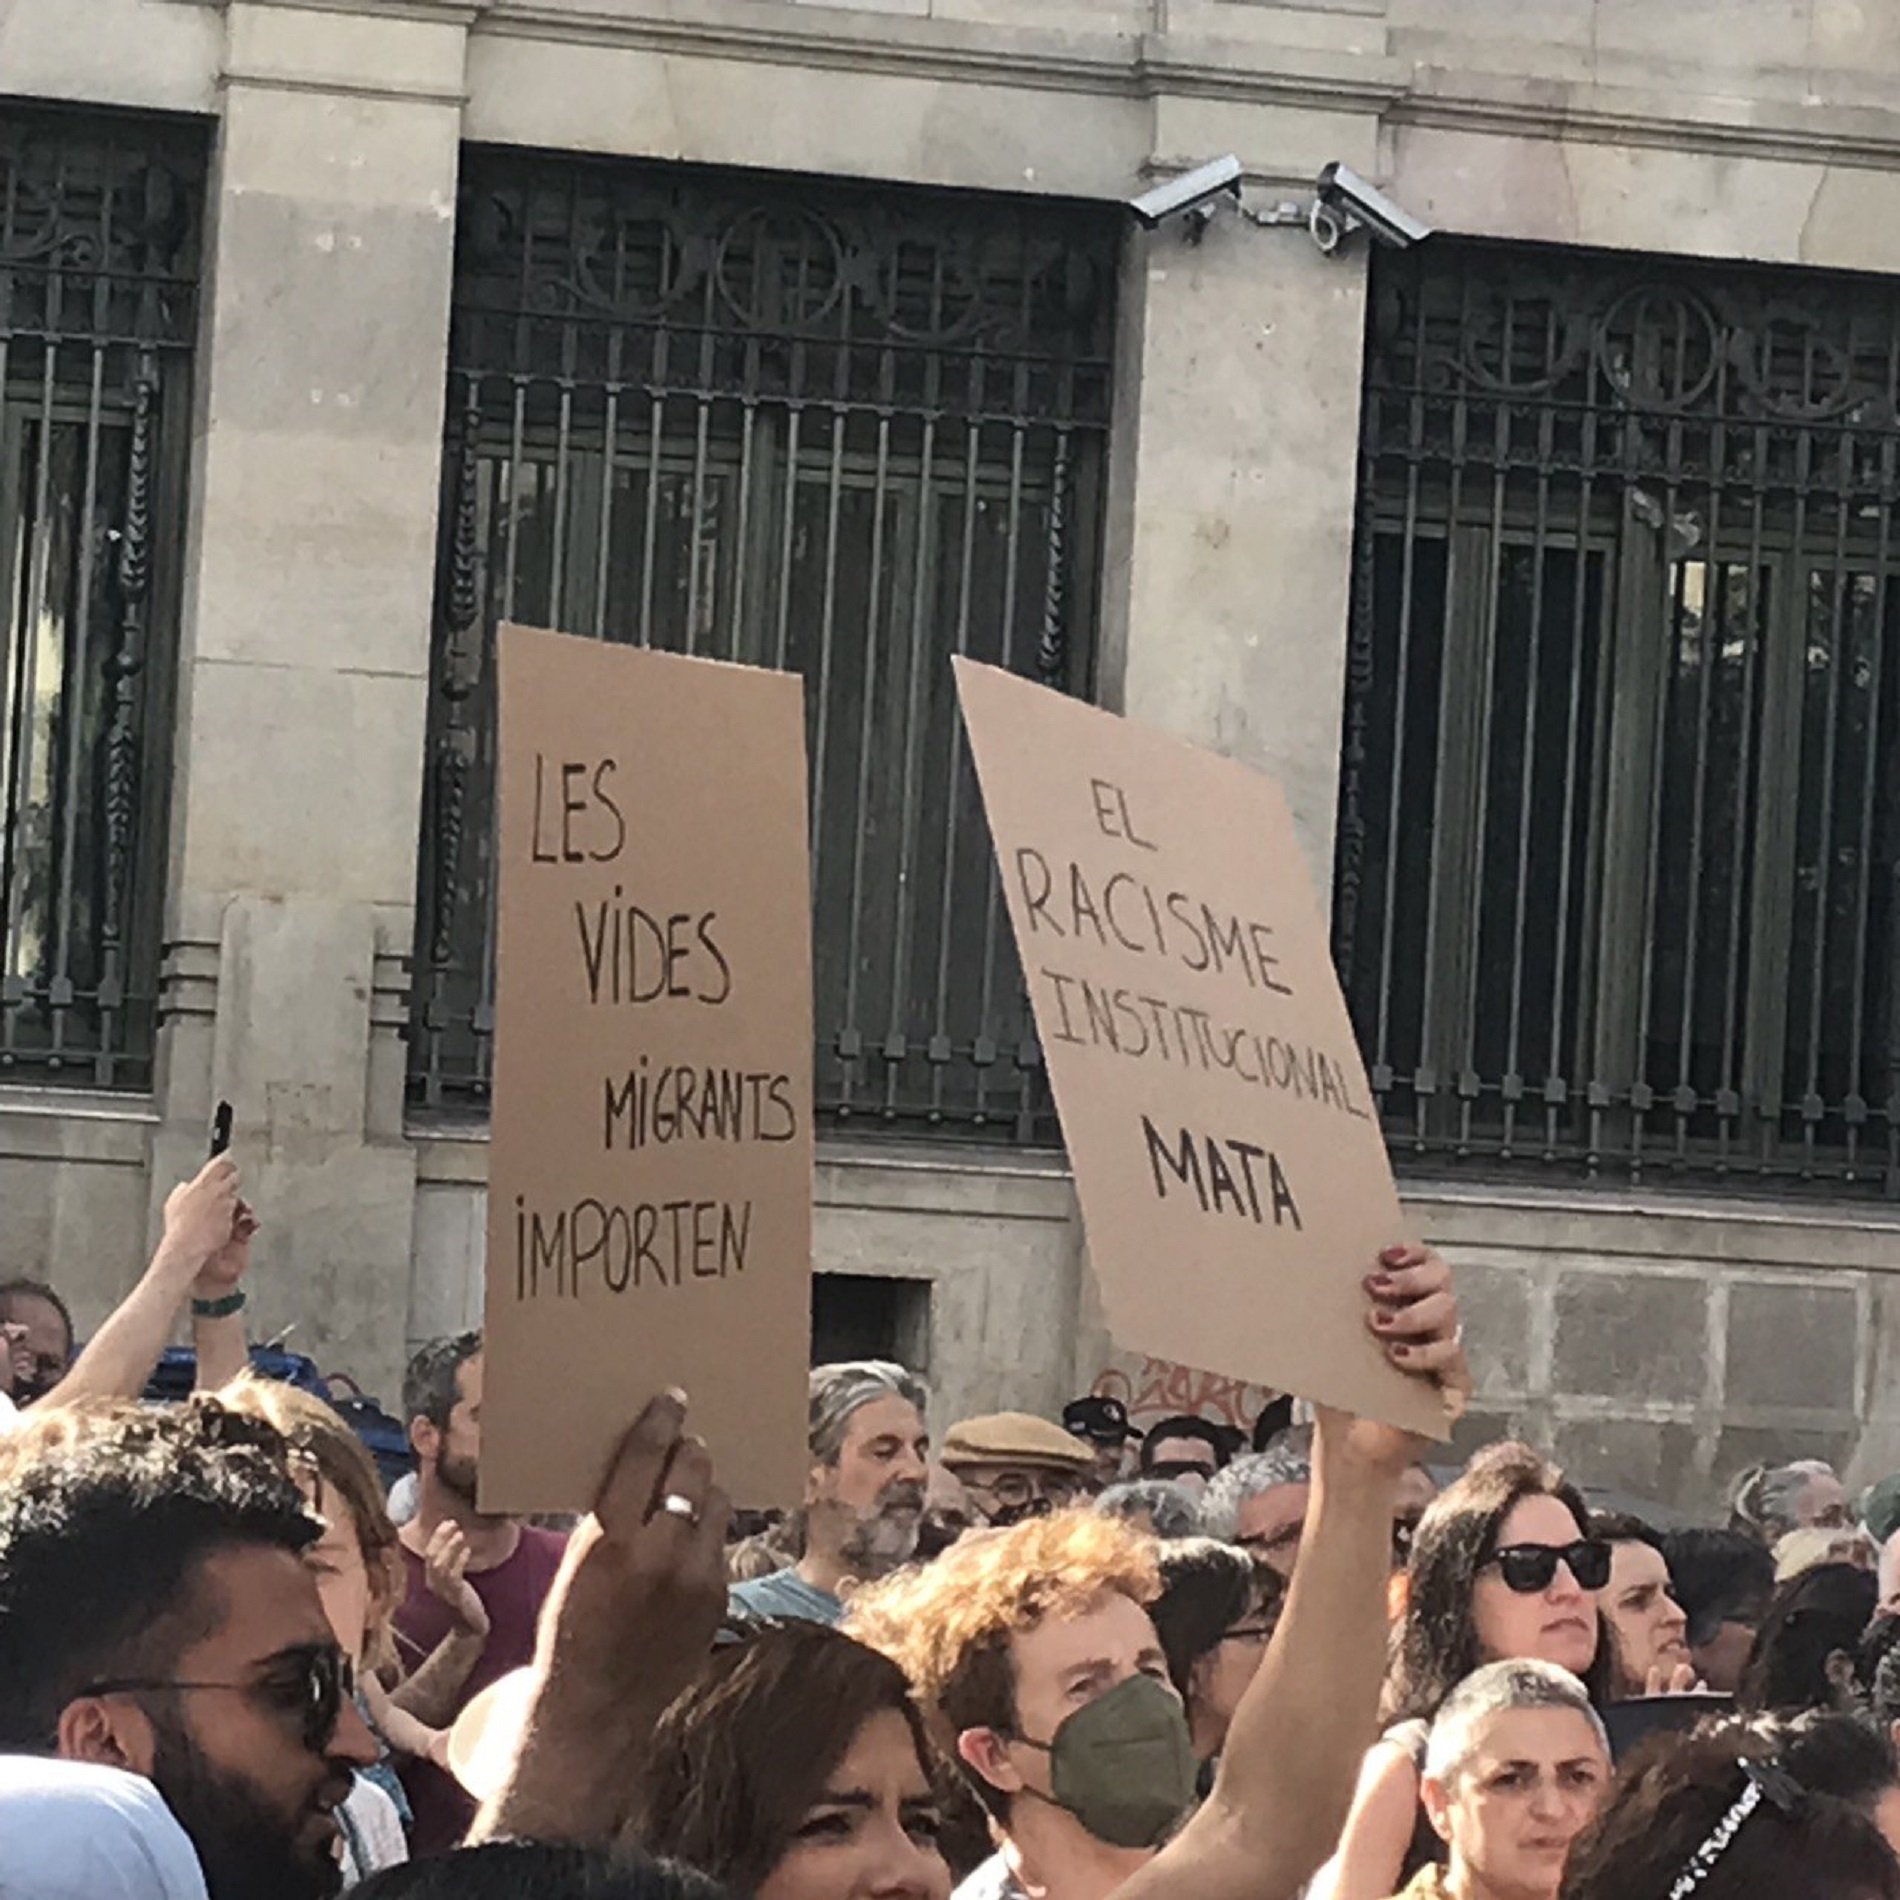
(221, 1130)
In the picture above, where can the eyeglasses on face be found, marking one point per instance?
(1248, 1633)
(1024, 1492)
(1529, 1568)
(1002, 1516)
(308, 1684)
(1274, 1543)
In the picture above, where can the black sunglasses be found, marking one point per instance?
(1529, 1568)
(324, 1678)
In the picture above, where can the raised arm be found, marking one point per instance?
(218, 1333)
(629, 1622)
(1286, 1779)
(1370, 1862)
(401, 1730)
(200, 1220)
(432, 1691)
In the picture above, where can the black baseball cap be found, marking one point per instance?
(1103, 1421)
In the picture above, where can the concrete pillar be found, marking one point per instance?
(1235, 481)
(305, 661)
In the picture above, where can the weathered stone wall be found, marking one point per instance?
(1661, 1343)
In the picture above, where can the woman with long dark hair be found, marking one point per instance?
(1805, 1654)
(796, 1768)
(1502, 1567)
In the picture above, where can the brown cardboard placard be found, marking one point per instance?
(650, 1154)
(1233, 1178)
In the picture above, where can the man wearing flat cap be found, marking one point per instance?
(1102, 1423)
(1015, 1465)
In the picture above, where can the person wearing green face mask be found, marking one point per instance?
(1034, 1650)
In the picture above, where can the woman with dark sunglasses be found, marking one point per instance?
(1502, 1568)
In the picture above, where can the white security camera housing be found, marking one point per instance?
(1346, 203)
(1189, 193)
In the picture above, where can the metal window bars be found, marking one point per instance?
(100, 221)
(800, 424)
(1620, 810)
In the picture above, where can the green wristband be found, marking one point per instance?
(219, 1309)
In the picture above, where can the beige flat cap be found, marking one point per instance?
(1015, 1438)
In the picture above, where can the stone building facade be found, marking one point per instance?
(1204, 547)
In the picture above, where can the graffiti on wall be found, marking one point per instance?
(1157, 1388)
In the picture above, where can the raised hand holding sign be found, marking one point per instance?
(1232, 1174)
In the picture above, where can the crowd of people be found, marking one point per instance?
(1009, 1657)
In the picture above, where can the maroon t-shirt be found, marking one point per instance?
(512, 1594)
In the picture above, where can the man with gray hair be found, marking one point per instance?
(1153, 1504)
(864, 1494)
(1769, 1501)
(1259, 1502)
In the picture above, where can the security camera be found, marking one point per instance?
(1190, 195)
(1346, 203)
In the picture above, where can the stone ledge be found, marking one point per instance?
(262, 79)
(935, 1181)
(1416, 90)
(1532, 106)
(82, 1126)
(450, 1157)
(850, 1177)
(1025, 57)
(432, 12)
(1699, 1234)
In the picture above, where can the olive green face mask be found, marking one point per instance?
(1124, 1766)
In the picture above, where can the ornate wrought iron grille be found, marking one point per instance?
(803, 425)
(1620, 814)
(100, 223)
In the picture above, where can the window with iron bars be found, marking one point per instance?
(100, 222)
(800, 424)
(1620, 809)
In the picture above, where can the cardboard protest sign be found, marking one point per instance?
(1233, 1179)
(650, 1160)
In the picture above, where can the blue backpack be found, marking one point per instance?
(383, 1436)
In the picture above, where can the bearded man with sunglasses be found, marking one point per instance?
(157, 1616)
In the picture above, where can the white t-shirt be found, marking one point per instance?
(73, 1831)
(995, 1879)
(371, 1830)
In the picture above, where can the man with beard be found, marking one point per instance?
(158, 1618)
(864, 1495)
(509, 1569)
